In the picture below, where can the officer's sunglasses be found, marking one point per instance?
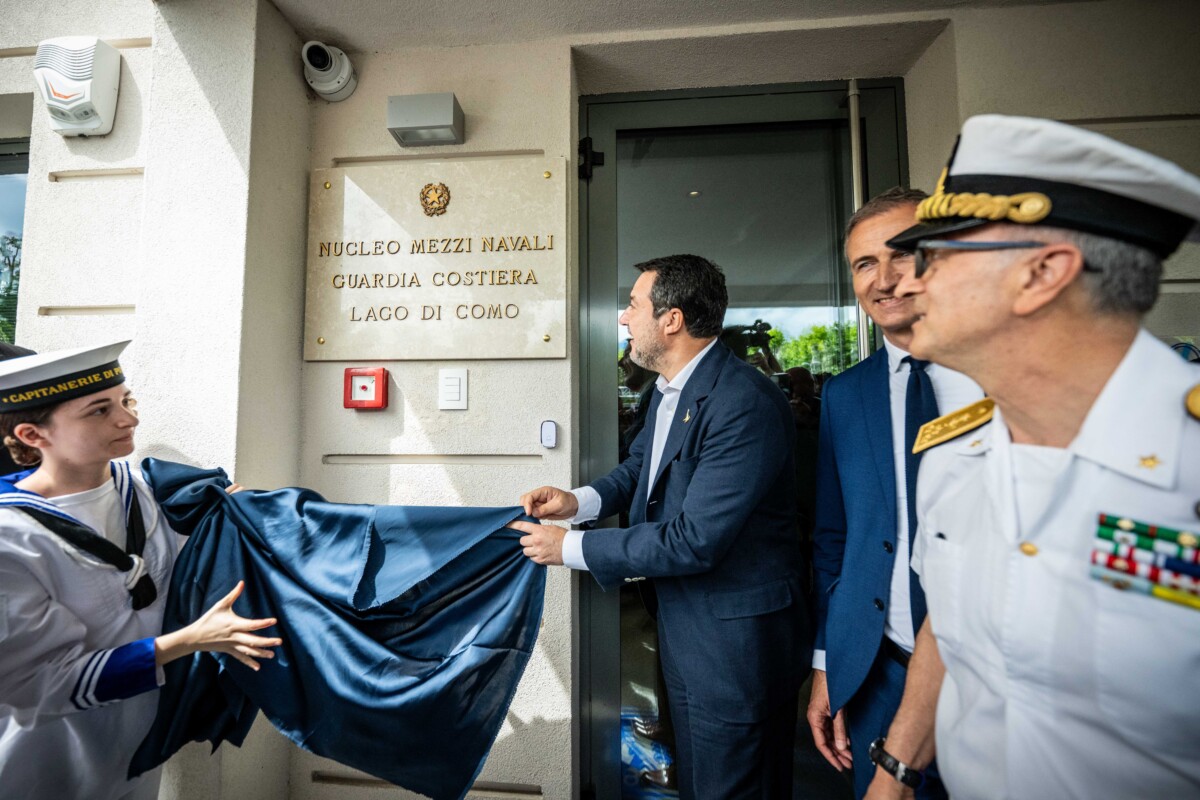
(922, 258)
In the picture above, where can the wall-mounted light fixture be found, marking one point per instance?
(418, 120)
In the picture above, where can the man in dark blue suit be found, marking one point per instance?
(869, 604)
(709, 487)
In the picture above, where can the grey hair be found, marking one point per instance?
(1122, 278)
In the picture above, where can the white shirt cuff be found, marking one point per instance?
(572, 551)
(589, 505)
(819, 660)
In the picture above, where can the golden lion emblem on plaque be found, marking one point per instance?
(434, 199)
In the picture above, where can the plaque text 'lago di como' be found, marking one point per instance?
(495, 276)
(454, 261)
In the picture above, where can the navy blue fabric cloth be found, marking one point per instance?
(920, 406)
(405, 629)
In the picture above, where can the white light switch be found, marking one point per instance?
(452, 389)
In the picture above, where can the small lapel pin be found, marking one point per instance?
(688, 416)
(1148, 462)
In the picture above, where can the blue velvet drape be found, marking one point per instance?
(405, 629)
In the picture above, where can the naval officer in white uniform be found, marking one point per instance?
(1057, 518)
(85, 563)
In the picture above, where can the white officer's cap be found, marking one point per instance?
(38, 380)
(1025, 170)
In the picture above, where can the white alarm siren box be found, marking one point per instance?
(79, 77)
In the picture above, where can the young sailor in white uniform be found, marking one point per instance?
(85, 563)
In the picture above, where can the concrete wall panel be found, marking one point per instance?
(516, 98)
(111, 20)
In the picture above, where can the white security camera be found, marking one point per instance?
(328, 71)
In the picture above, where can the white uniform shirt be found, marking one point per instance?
(101, 509)
(1059, 685)
(59, 607)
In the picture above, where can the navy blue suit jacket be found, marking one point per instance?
(856, 514)
(718, 535)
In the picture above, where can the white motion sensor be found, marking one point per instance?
(328, 71)
(79, 77)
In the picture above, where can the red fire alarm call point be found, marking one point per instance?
(366, 387)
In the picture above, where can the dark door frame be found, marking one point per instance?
(885, 164)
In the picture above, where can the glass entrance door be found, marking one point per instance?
(14, 166)
(760, 183)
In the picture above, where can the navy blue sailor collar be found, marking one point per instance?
(12, 495)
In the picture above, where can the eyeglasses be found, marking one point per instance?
(925, 246)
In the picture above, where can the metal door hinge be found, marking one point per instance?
(589, 159)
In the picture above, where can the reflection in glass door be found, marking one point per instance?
(760, 185)
(766, 203)
(14, 166)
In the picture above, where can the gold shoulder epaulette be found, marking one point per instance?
(956, 423)
(1193, 401)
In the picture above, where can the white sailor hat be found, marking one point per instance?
(1036, 171)
(46, 378)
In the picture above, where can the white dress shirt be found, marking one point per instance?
(589, 498)
(1058, 684)
(953, 390)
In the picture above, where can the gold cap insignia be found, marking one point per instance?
(1193, 401)
(1025, 208)
(434, 199)
(954, 424)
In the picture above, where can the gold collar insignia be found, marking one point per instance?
(954, 424)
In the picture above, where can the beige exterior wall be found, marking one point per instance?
(1127, 69)
(190, 220)
(517, 99)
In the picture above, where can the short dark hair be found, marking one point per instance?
(695, 286)
(882, 203)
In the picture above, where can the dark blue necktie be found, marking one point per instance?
(920, 406)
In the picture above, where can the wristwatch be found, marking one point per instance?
(893, 766)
